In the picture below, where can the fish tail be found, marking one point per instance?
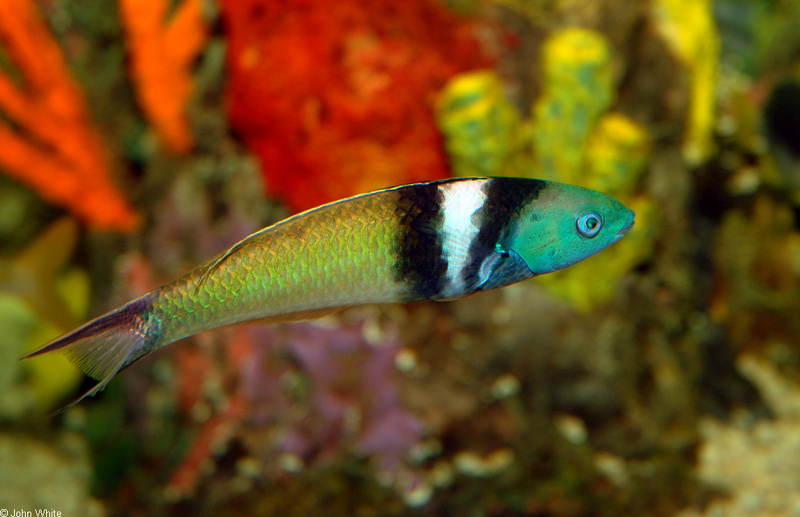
(108, 344)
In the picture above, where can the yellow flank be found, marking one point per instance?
(334, 256)
(689, 28)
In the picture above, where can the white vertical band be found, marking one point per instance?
(461, 199)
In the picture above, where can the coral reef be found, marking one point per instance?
(747, 460)
(691, 31)
(757, 285)
(482, 128)
(303, 395)
(162, 54)
(659, 378)
(46, 135)
(336, 98)
(577, 88)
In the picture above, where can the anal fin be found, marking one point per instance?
(293, 317)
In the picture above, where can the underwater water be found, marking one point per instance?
(140, 138)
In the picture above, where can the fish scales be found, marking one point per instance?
(438, 240)
(338, 255)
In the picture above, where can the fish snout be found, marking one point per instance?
(629, 223)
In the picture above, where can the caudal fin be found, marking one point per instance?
(106, 345)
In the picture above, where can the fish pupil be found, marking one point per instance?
(589, 224)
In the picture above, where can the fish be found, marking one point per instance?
(437, 240)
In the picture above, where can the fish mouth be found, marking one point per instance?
(628, 227)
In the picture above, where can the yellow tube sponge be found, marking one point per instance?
(481, 127)
(689, 28)
(577, 89)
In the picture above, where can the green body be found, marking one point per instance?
(337, 255)
(428, 241)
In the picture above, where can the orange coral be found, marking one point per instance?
(46, 138)
(161, 59)
(335, 97)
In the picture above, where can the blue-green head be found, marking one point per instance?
(564, 225)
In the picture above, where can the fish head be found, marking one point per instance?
(564, 225)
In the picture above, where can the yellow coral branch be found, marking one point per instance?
(162, 54)
(46, 138)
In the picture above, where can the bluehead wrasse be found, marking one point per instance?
(427, 241)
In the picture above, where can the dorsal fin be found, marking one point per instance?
(214, 264)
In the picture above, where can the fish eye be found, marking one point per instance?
(589, 224)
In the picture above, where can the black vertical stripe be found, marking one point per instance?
(505, 199)
(420, 261)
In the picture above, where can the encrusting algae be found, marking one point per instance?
(47, 140)
(161, 56)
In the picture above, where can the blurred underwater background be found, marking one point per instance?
(661, 377)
